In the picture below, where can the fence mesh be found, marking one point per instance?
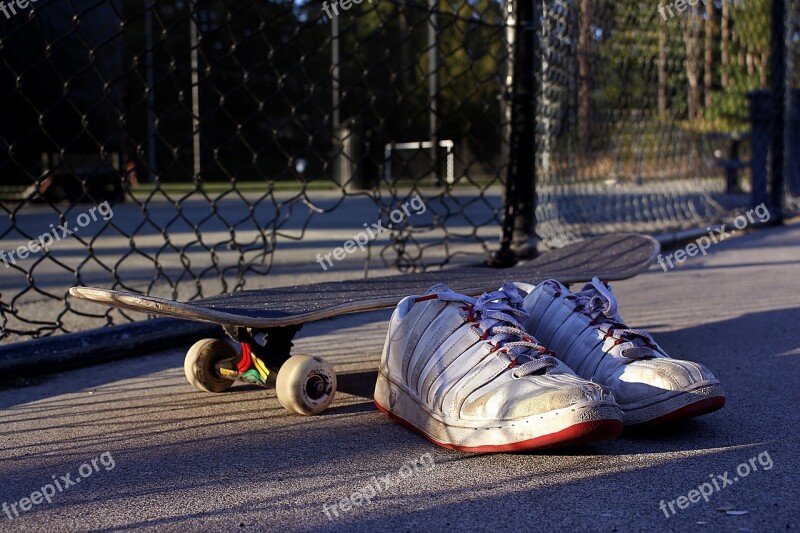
(643, 109)
(184, 148)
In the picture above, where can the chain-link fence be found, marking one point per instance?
(647, 113)
(184, 148)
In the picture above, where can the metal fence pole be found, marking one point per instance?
(518, 226)
(508, 71)
(433, 88)
(343, 142)
(195, 82)
(778, 109)
(150, 156)
(335, 95)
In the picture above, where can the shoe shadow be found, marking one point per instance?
(752, 355)
(672, 433)
(361, 384)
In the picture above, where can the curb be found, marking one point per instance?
(72, 350)
(680, 236)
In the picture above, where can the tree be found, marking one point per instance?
(584, 80)
(708, 74)
(691, 36)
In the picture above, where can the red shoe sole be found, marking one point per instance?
(698, 408)
(581, 433)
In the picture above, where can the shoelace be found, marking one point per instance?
(598, 303)
(494, 313)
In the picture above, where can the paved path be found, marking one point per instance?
(184, 460)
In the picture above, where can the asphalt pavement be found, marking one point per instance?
(129, 445)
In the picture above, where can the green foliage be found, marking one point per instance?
(628, 59)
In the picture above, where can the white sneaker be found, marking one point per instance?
(462, 372)
(587, 333)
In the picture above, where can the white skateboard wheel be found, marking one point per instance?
(200, 361)
(306, 385)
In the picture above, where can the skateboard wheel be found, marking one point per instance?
(201, 359)
(306, 385)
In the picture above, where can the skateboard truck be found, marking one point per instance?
(304, 384)
(273, 351)
(257, 357)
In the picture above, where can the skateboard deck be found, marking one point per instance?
(611, 257)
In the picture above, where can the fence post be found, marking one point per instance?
(761, 131)
(778, 110)
(348, 150)
(150, 155)
(792, 144)
(519, 204)
(194, 58)
(433, 89)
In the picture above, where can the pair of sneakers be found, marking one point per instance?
(528, 367)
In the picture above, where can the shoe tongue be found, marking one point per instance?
(508, 291)
(598, 289)
(437, 288)
(524, 289)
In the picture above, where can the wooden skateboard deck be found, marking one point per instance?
(611, 257)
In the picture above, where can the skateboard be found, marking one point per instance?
(265, 321)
